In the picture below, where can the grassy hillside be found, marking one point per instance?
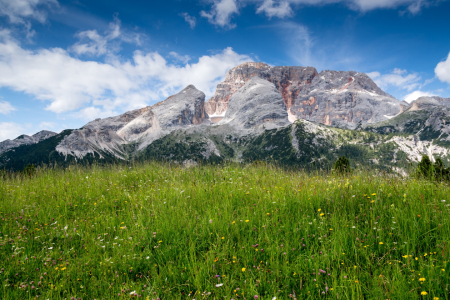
(222, 232)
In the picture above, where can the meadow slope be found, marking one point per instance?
(229, 231)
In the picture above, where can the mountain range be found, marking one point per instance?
(289, 115)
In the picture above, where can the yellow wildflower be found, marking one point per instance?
(243, 269)
(424, 293)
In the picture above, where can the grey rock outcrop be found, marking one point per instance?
(289, 81)
(255, 104)
(25, 140)
(345, 99)
(141, 126)
(429, 102)
(340, 99)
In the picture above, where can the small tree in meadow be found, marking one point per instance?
(425, 168)
(29, 170)
(440, 172)
(342, 166)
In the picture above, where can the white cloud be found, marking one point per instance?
(413, 6)
(92, 43)
(282, 10)
(71, 84)
(442, 70)
(299, 43)
(6, 107)
(192, 21)
(221, 13)
(92, 113)
(10, 130)
(398, 78)
(182, 58)
(19, 10)
(222, 10)
(416, 95)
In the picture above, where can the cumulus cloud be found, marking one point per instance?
(93, 43)
(10, 130)
(271, 9)
(182, 58)
(221, 13)
(416, 95)
(6, 107)
(398, 78)
(413, 6)
(71, 84)
(18, 11)
(192, 21)
(442, 70)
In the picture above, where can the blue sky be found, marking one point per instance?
(66, 62)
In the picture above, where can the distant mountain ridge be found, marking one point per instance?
(25, 140)
(292, 115)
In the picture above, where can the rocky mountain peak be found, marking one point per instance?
(289, 81)
(141, 126)
(257, 103)
(427, 103)
(338, 81)
(25, 140)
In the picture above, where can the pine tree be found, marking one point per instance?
(440, 172)
(425, 168)
(342, 166)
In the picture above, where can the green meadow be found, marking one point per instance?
(161, 231)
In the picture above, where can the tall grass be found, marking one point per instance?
(222, 232)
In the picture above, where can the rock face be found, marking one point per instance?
(427, 119)
(345, 99)
(289, 81)
(429, 102)
(141, 126)
(25, 140)
(341, 99)
(257, 103)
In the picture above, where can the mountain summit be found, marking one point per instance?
(335, 98)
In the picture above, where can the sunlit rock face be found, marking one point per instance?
(141, 126)
(257, 103)
(345, 99)
(289, 81)
(335, 98)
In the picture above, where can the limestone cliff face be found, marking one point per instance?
(257, 103)
(141, 126)
(341, 99)
(345, 99)
(289, 81)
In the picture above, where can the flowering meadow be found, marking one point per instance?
(161, 231)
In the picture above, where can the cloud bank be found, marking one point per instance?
(92, 88)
